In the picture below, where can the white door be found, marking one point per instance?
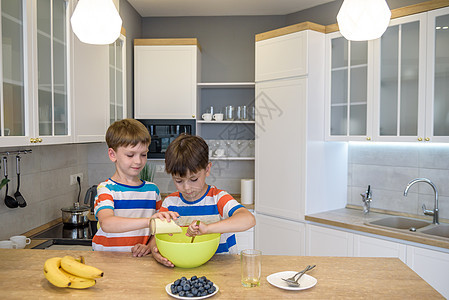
(275, 236)
(280, 147)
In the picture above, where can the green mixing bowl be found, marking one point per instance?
(182, 253)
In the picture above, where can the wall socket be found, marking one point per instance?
(73, 178)
(160, 168)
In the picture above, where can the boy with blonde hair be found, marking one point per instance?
(187, 160)
(125, 204)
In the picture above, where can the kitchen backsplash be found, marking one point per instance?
(44, 184)
(388, 167)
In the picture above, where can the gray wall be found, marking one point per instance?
(227, 42)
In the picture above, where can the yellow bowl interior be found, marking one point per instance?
(184, 254)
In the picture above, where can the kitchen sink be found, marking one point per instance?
(439, 230)
(401, 223)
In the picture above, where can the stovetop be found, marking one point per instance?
(68, 232)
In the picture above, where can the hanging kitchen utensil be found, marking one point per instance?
(19, 198)
(9, 201)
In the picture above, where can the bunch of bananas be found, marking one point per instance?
(70, 272)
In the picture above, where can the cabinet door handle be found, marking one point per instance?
(420, 139)
(193, 116)
(368, 138)
(427, 139)
(32, 140)
(39, 140)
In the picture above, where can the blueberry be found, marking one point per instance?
(207, 286)
(195, 285)
(173, 289)
(194, 291)
(211, 290)
(186, 287)
(183, 278)
(179, 288)
(183, 282)
(204, 293)
(189, 295)
(201, 289)
(193, 277)
(182, 294)
(211, 283)
(177, 282)
(200, 284)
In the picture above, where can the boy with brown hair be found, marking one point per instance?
(187, 160)
(124, 203)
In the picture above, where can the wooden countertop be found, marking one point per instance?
(354, 219)
(22, 277)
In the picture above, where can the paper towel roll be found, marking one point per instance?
(247, 191)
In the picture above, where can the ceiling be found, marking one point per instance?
(176, 8)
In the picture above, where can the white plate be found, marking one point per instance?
(168, 290)
(306, 281)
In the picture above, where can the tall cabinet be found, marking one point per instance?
(295, 167)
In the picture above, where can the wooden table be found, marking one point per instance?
(22, 277)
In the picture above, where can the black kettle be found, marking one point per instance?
(89, 199)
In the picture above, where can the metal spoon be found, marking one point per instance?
(295, 282)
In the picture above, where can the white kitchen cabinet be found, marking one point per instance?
(437, 104)
(288, 56)
(323, 241)
(36, 100)
(166, 73)
(117, 79)
(275, 236)
(365, 246)
(399, 81)
(295, 167)
(91, 91)
(245, 239)
(432, 266)
(348, 92)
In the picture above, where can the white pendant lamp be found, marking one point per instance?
(96, 22)
(362, 20)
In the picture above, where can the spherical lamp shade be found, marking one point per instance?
(362, 20)
(96, 22)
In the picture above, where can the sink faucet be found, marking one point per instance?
(427, 212)
(367, 198)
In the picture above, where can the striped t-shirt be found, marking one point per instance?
(213, 206)
(126, 201)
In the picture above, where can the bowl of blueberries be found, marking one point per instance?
(195, 287)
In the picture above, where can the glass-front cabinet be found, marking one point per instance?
(117, 79)
(348, 93)
(34, 103)
(437, 116)
(399, 81)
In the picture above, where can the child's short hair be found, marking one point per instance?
(186, 153)
(127, 132)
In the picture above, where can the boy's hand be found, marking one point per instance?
(140, 250)
(166, 215)
(160, 259)
(195, 230)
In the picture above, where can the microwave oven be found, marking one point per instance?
(164, 131)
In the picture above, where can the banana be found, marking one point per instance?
(71, 265)
(80, 259)
(78, 282)
(53, 272)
